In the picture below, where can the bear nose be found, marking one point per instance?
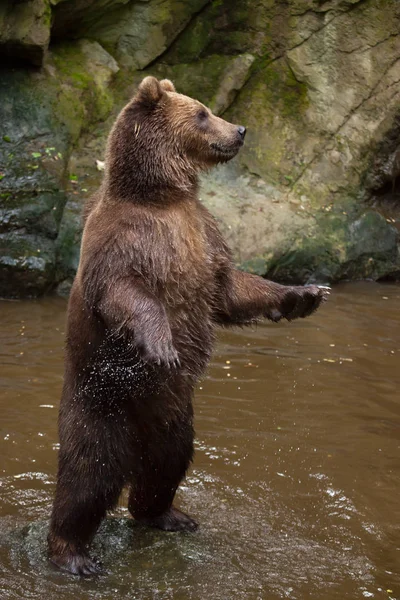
(241, 131)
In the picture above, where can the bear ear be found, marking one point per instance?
(150, 90)
(167, 85)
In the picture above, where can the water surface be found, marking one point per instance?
(296, 479)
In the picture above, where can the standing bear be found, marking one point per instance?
(155, 279)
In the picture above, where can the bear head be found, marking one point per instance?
(162, 139)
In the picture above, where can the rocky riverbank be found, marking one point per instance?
(313, 196)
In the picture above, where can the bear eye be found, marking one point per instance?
(202, 115)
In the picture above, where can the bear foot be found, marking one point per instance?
(172, 520)
(77, 564)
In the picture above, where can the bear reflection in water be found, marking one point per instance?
(155, 279)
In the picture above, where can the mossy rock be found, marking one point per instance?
(214, 80)
(192, 43)
(135, 33)
(314, 259)
(86, 71)
(29, 126)
(44, 114)
(338, 249)
(273, 106)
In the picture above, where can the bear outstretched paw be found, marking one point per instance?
(172, 520)
(299, 302)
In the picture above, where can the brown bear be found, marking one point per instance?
(155, 279)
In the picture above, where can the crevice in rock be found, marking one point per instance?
(259, 65)
(194, 16)
(381, 183)
(348, 117)
(323, 10)
(392, 35)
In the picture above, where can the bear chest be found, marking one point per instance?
(185, 271)
(190, 271)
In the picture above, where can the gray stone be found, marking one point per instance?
(25, 29)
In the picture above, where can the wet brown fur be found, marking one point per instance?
(154, 279)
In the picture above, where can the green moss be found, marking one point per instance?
(193, 40)
(82, 99)
(294, 96)
(103, 104)
(274, 104)
(276, 89)
(47, 15)
(67, 58)
(70, 111)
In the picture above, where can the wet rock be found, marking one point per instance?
(68, 240)
(43, 114)
(27, 264)
(33, 211)
(64, 288)
(372, 250)
(339, 247)
(255, 226)
(31, 194)
(272, 237)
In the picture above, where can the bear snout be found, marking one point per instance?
(241, 131)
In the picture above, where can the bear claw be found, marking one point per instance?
(78, 564)
(172, 520)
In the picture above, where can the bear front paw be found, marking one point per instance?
(299, 302)
(161, 352)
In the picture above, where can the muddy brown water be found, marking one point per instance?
(295, 482)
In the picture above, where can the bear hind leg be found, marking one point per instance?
(79, 507)
(153, 491)
(152, 506)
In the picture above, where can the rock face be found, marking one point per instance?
(135, 32)
(25, 29)
(43, 115)
(314, 194)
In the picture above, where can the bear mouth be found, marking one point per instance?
(224, 151)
